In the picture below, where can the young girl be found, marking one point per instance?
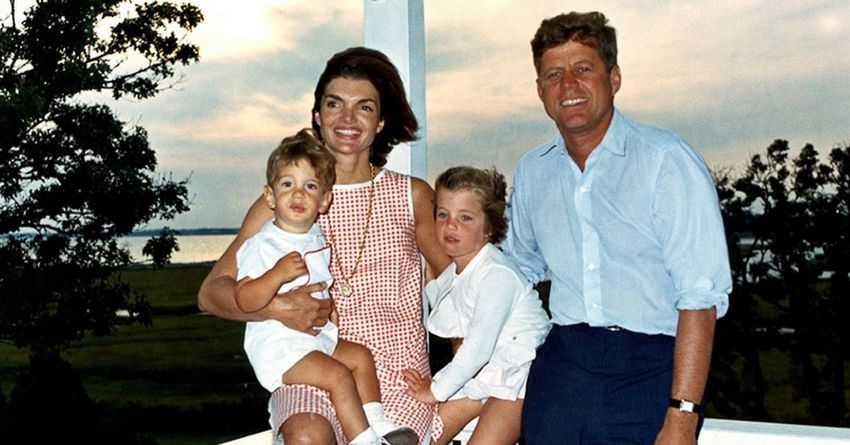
(484, 300)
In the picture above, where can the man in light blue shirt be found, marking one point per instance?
(626, 220)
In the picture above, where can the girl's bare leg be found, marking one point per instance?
(498, 423)
(360, 362)
(325, 372)
(455, 415)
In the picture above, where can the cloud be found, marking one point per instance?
(260, 117)
(692, 54)
(728, 76)
(243, 30)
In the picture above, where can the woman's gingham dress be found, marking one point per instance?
(385, 311)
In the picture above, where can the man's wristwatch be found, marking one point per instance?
(685, 406)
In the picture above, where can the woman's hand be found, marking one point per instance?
(418, 387)
(298, 310)
(678, 429)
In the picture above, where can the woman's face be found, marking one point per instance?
(349, 116)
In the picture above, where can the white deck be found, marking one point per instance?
(714, 432)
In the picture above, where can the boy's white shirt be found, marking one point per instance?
(271, 347)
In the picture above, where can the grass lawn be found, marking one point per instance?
(779, 399)
(181, 365)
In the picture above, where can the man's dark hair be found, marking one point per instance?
(590, 28)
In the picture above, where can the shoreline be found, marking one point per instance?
(148, 266)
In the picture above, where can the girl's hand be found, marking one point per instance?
(334, 318)
(418, 387)
(456, 342)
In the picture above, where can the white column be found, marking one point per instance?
(397, 28)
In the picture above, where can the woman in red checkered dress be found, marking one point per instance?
(378, 224)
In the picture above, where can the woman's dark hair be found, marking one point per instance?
(361, 63)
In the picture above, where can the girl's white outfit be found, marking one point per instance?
(271, 346)
(499, 315)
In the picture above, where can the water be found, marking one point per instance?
(193, 248)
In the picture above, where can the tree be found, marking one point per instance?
(834, 226)
(161, 246)
(73, 176)
(791, 278)
(736, 387)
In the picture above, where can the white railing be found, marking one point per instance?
(714, 432)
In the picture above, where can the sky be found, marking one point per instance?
(729, 76)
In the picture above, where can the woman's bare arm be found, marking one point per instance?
(217, 295)
(218, 291)
(426, 234)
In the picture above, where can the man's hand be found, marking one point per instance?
(418, 387)
(679, 429)
(298, 310)
(691, 359)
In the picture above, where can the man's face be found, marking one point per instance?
(576, 90)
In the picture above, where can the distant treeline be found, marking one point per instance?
(188, 232)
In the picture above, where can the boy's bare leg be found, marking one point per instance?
(455, 414)
(360, 362)
(498, 423)
(325, 372)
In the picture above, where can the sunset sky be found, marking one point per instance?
(728, 76)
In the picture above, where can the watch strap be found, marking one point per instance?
(685, 406)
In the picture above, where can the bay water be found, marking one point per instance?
(193, 248)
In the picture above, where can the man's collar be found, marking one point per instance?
(558, 143)
(612, 141)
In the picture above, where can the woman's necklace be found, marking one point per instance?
(345, 279)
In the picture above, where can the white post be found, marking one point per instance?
(397, 28)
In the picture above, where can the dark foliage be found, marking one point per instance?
(794, 214)
(49, 392)
(161, 246)
(49, 381)
(73, 177)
